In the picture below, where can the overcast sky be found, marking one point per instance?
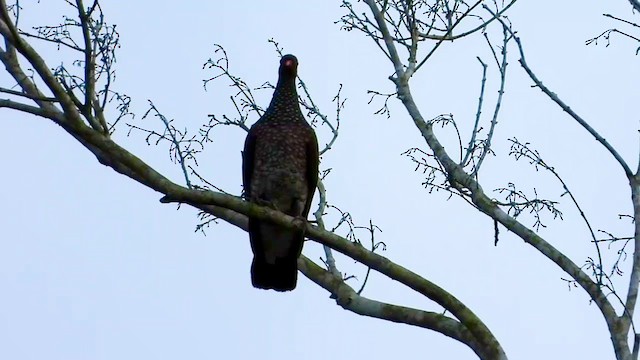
(92, 266)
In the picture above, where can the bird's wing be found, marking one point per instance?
(313, 162)
(248, 156)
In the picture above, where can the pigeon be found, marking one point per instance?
(280, 170)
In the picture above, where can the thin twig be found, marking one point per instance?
(476, 124)
(564, 106)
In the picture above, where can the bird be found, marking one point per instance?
(280, 170)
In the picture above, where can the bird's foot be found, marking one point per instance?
(267, 203)
(300, 222)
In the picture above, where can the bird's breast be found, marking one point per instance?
(279, 173)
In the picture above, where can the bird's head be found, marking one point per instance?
(288, 66)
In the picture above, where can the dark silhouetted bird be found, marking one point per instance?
(280, 170)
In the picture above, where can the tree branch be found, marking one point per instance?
(89, 70)
(111, 154)
(9, 31)
(22, 94)
(349, 300)
(10, 104)
(634, 278)
(458, 177)
(353, 250)
(564, 106)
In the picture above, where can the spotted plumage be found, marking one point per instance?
(280, 170)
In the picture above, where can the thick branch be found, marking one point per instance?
(490, 208)
(618, 327)
(175, 193)
(634, 279)
(111, 154)
(29, 89)
(349, 300)
(10, 33)
(90, 99)
(353, 250)
(10, 104)
(486, 205)
(479, 329)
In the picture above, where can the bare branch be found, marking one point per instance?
(476, 124)
(634, 278)
(354, 250)
(520, 150)
(10, 33)
(502, 66)
(10, 104)
(319, 216)
(171, 134)
(564, 106)
(350, 300)
(89, 68)
(479, 27)
(22, 94)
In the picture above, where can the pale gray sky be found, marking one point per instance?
(93, 267)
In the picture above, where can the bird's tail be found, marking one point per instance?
(281, 276)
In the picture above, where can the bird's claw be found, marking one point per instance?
(267, 203)
(300, 222)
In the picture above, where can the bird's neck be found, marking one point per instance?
(285, 95)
